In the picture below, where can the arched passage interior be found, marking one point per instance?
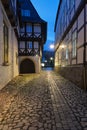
(27, 66)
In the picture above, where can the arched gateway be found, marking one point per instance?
(27, 66)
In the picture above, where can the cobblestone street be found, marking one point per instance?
(43, 101)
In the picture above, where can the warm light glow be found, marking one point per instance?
(36, 55)
(52, 46)
(62, 46)
(51, 58)
(42, 64)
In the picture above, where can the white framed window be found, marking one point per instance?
(22, 45)
(74, 41)
(29, 27)
(37, 28)
(36, 45)
(29, 45)
(5, 41)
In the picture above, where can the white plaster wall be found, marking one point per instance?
(15, 54)
(80, 55)
(73, 61)
(86, 53)
(6, 72)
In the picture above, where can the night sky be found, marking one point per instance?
(47, 10)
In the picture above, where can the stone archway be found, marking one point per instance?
(27, 66)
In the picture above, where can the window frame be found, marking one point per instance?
(6, 43)
(29, 45)
(36, 45)
(74, 43)
(25, 13)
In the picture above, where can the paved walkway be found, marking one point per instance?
(43, 101)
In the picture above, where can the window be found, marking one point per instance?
(29, 45)
(25, 13)
(74, 39)
(67, 51)
(22, 45)
(37, 28)
(5, 38)
(29, 27)
(35, 44)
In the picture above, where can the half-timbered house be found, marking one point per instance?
(71, 41)
(22, 35)
(32, 37)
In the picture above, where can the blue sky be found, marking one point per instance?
(47, 10)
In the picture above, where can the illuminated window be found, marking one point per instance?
(5, 38)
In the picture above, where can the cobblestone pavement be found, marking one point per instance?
(43, 101)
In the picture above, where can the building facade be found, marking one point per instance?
(8, 41)
(31, 39)
(20, 47)
(71, 41)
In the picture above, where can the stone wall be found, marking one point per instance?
(74, 74)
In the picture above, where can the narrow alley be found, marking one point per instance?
(43, 101)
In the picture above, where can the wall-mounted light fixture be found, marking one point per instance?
(62, 46)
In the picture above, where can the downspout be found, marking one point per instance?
(84, 63)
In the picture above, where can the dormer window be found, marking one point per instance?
(25, 13)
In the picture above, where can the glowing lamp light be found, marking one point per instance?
(63, 46)
(51, 46)
(51, 58)
(42, 64)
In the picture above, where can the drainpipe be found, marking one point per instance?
(84, 68)
(84, 65)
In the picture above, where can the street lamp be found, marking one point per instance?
(62, 46)
(51, 58)
(52, 46)
(42, 64)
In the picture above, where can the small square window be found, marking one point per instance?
(25, 13)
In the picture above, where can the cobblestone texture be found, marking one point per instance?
(43, 101)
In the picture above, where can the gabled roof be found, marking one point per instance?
(34, 17)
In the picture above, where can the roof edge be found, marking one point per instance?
(57, 14)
